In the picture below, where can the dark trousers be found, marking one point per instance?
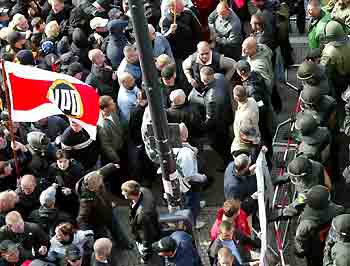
(192, 202)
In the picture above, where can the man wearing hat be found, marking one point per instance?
(337, 250)
(313, 74)
(97, 39)
(17, 41)
(325, 106)
(314, 224)
(315, 140)
(179, 249)
(255, 86)
(11, 253)
(73, 256)
(336, 56)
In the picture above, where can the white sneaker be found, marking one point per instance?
(200, 225)
(202, 204)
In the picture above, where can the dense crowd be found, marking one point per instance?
(219, 65)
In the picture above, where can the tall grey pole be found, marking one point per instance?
(155, 102)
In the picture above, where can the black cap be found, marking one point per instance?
(243, 66)
(168, 71)
(73, 253)
(25, 57)
(318, 197)
(166, 244)
(15, 36)
(74, 68)
(8, 245)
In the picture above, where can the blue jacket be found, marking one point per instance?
(186, 253)
(238, 187)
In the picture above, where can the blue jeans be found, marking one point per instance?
(192, 202)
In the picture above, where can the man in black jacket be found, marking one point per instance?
(29, 235)
(215, 100)
(143, 219)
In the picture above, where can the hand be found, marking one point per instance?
(193, 83)
(15, 145)
(43, 250)
(117, 165)
(98, 38)
(264, 149)
(55, 185)
(254, 263)
(173, 28)
(28, 34)
(107, 67)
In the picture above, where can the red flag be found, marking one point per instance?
(36, 94)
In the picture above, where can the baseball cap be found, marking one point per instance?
(166, 244)
(73, 253)
(168, 71)
(8, 245)
(74, 68)
(98, 22)
(15, 36)
(243, 66)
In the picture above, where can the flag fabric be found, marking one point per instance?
(36, 94)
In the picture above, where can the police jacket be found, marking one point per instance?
(313, 228)
(144, 221)
(337, 249)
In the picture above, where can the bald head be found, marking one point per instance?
(28, 184)
(103, 248)
(249, 47)
(8, 200)
(204, 52)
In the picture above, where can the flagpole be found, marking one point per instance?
(175, 12)
(9, 110)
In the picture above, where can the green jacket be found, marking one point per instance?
(317, 29)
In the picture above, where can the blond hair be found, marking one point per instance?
(131, 187)
(52, 29)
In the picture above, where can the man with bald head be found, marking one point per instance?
(205, 56)
(259, 57)
(28, 193)
(159, 42)
(181, 111)
(102, 252)
(227, 29)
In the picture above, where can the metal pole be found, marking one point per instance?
(157, 111)
(9, 110)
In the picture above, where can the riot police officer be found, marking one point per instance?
(305, 173)
(337, 249)
(312, 74)
(314, 224)
(336, 56)
(312, 99)
(315, 140)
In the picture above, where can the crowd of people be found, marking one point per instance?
(218, 64)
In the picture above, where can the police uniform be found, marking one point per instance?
(336, 56)
(315, 140)
(314, 224)
(337, 249)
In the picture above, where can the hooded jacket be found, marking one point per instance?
(79, 47)
(116, 42)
